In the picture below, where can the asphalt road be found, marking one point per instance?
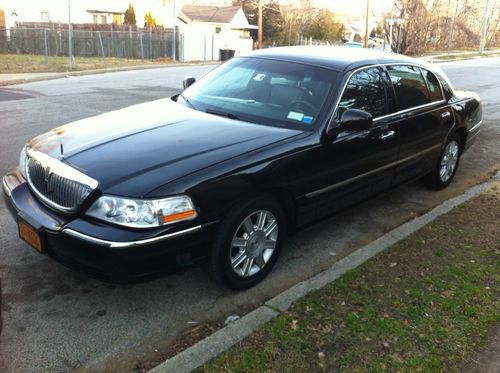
(58, 320)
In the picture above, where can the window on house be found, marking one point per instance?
(218, 30)
(103, 19)
(95, 19)
(45, 16)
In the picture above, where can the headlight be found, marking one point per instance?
(23, 157)
(142, 213)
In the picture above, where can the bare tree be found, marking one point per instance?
(433, 24)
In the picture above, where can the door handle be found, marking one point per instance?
(387, 135)
(445, 115)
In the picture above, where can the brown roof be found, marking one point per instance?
(198, 13)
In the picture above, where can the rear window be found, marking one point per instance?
(409, 85)
(433, 85)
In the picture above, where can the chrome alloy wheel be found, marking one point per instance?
(449, 161)
(253, 243)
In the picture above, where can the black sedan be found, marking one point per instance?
(262, 145)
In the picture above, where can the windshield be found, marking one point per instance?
(264, 91)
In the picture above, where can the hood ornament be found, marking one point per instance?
(62, 151)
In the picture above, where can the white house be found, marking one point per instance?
(82, 11)
(94, 11)
(205, 30)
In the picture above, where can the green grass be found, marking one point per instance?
(427, 304)
(27, 63)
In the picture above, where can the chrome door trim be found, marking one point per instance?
(397, 112)
(478, 124)
(361, 176)
(430, 104)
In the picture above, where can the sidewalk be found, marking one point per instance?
(457, 56)
(11, 79)
(429, 303)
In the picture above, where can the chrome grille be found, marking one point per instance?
(57, 184)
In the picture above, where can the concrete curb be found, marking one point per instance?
(208, 348)
(99, 71)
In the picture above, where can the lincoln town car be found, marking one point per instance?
(224, 171)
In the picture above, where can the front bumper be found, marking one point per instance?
(104, 251)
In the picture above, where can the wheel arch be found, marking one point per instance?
(282, 196)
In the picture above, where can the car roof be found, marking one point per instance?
(334, 57)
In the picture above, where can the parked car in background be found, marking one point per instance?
(353, 44)
(259, 147)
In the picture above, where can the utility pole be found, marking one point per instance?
(450, 38)
(259, 31)
(70, 42)
(367, 22)
(390, 34)
(484, 29)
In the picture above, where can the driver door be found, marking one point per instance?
(357, 164)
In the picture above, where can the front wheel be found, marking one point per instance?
(248, 243)
(446, 167)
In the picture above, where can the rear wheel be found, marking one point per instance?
(248, 243)
(447, 165)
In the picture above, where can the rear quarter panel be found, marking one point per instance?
(468, 114)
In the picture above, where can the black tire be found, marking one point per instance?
(220, 259)
(433, 180)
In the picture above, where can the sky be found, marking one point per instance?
(347, 7)
(355, 7)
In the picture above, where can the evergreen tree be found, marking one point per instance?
(130, 16)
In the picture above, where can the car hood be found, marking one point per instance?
(137, 149)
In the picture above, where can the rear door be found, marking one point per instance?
(423, 116)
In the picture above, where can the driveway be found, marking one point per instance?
(58, 320)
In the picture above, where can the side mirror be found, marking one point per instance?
(351, 120)
(188, 81)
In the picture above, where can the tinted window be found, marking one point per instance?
(365, 91)
(409, 85)
(433, 85)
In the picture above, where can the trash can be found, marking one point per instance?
(224, 54)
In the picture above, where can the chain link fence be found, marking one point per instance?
(147, 43)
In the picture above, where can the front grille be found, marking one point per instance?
(57, 184)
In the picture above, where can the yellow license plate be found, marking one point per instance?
(30, 235)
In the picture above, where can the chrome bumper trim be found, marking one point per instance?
(476, 126)
(117, 244)
(6, 188)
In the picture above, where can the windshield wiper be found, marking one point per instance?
(228, 115)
